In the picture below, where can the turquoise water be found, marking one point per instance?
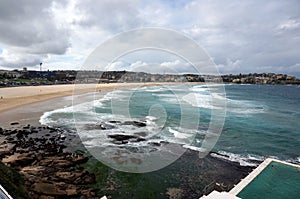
(276, 181)
(261, 120)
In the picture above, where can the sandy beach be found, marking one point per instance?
(14, 97)
(25, 105)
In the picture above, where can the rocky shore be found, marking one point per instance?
(39, 162)
(49, 171)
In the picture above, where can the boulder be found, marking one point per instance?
(134, 123)
(102, 126)
(121, 137)
(114, 122)
(142, 134)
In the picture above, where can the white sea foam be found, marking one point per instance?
(178, 134)
(243, 160)
(194, 148)
(154, 89)
(199, 100)
(294, 161)
(199, 89)
(151, 118)
(204, 96)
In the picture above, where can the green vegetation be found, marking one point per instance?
(12, 182)
(24, 80)
(130, 185)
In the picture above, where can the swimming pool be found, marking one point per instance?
(276, 181)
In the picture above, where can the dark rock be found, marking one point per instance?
(20, 135)
(10, 139)
(154, 144)
(27, 127)
(138, 139)
(102, 126)
(106, 126)
(121, 137)
(48, 172)
(14, 123)
(1, 130)
(134, 123)
(115, 122)
(34, 131)
(124, 142)
(142, 134)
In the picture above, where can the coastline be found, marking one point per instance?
(14, 97)
(178, 177)
(51, 168)
(26, 104)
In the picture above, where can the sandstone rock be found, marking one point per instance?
(72, 192)
(46, 197)
(48, 189)
(34, 170)
(19, 159)
(80, 159)
(6, 149)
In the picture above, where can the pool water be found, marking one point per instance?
(276, 181)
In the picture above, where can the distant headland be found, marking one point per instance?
(11, 78)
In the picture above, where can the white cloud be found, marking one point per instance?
(240, 36)
(170, 67)
(289, 25)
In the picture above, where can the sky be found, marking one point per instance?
(239, 36)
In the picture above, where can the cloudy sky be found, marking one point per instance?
(239, 36)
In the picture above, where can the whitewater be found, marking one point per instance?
(261, 120)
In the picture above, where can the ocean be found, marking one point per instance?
(144, 123)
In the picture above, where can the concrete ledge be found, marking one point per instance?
(220, 195)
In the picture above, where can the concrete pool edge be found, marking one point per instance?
(249, 178)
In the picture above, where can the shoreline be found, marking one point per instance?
(25, 105)
(14, 97)
(178, 177)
